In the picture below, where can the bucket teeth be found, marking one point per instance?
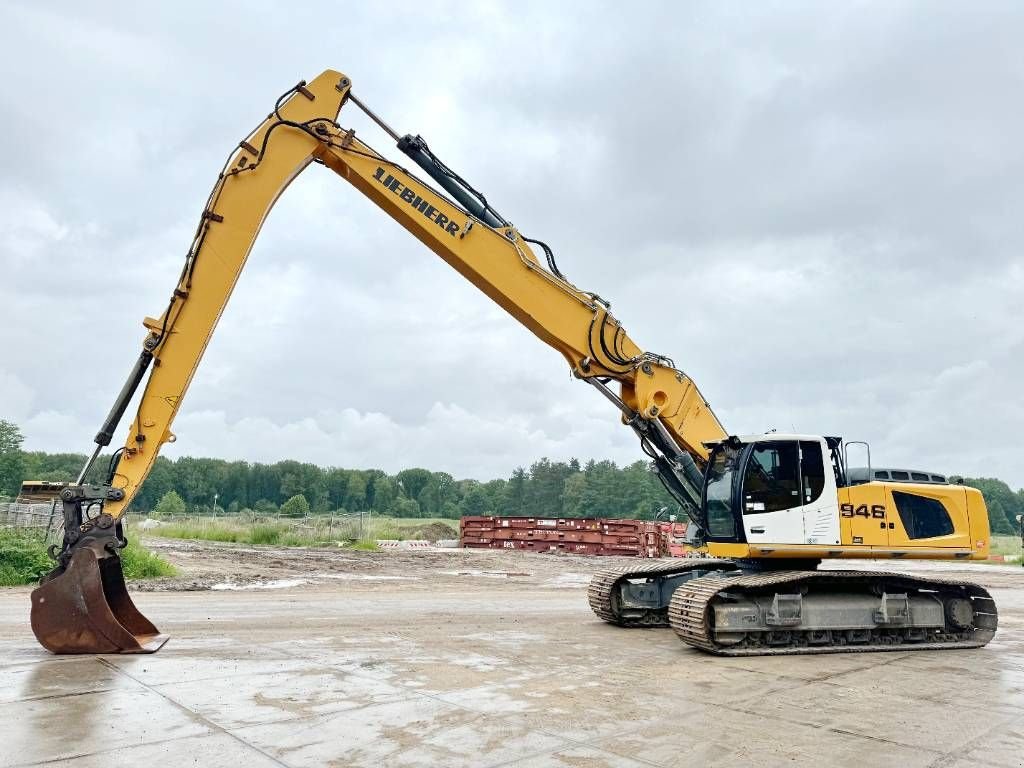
(87, 609)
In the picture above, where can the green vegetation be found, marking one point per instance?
(1006, 545)
(23, 559)
(308, 532)
(189, 530)
(266, 533)
(139, 563)
(170, 505)
(12, 459)
(1003, 504)
(296, 506)
(290, 488)
(547, 488)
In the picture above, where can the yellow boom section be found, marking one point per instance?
(498, 261)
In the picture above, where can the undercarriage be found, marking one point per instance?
(722, 608)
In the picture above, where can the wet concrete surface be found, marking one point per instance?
(490, 672)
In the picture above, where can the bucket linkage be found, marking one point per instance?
(82, 605)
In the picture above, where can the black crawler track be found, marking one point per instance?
(603, 590)
(691, 612)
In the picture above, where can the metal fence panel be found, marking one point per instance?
(44, 520)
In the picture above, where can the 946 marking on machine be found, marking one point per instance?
(862, 510)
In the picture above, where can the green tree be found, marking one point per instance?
(263, 483)
(160, 480)
(373, 477)
(572, 495)
(543, 497)
(512, 502)
(355, 494)
(495, 490)
(336, 483)
(413, 481)
(234, 488)
(296, 506)
(640, 498)
(449, 493)
(385, 495)
(12, 461)
(192, 480)
(265, 507)
(475, 502)
(406, 508)
(602, 491)
(1003, 504)
(52, 466)
(170, 504)
(428, 501)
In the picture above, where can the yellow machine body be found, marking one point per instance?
(865, 533)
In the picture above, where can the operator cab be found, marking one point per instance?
(773, 488)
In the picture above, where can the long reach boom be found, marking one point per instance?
(654, 398)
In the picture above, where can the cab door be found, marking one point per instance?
(770, 499)
(818, 494)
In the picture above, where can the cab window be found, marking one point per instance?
(718, 493)
(772, 480)
(922, 517)
(812, 471)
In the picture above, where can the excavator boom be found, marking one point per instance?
(655, 399)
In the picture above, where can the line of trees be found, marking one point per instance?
(1003, 504)
(547, 488)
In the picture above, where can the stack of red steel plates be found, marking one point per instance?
(580, 535)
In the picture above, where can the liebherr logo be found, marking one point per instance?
(417, 202)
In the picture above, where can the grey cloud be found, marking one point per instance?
(814, 209)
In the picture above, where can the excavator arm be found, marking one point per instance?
(658, 401)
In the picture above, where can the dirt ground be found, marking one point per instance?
(213, 565)
(480, 658)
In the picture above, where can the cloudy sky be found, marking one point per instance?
(816, 209)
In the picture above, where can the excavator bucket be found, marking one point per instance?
(86, 609)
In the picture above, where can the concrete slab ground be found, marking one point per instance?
(490, 673)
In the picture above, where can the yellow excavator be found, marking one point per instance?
(765, 509)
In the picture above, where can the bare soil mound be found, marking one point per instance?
(429, 532)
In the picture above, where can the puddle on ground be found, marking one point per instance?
(485, 574)
(568, 580)
(363, 577)
(275, 584)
